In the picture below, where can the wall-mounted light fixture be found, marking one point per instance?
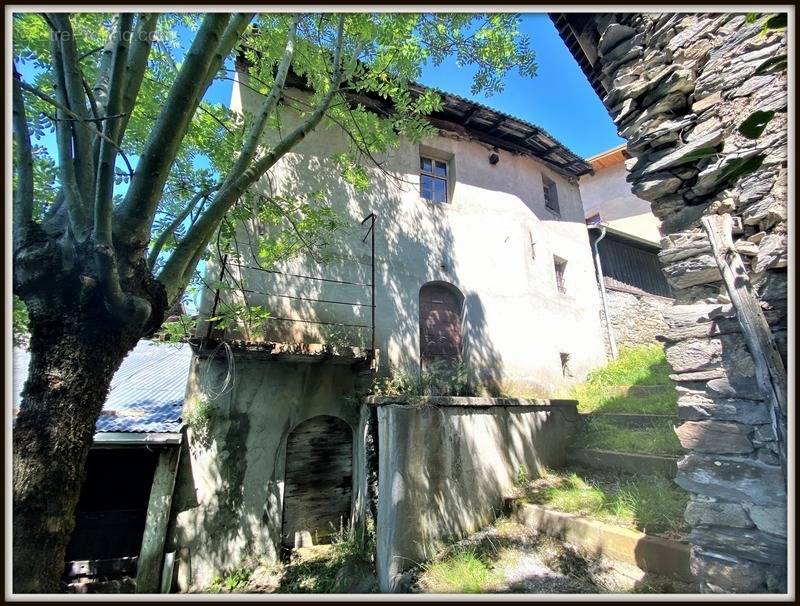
(493, 158)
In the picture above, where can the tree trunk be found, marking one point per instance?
(67, 384)
(76, 347)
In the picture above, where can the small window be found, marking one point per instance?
(561, 268)
(550, 195)
(566, 371)
(433, 180)
(594, 219)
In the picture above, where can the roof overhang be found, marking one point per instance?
(469, 119)
(113, 439)
(579, 34)
(636, 241)
(612, 157)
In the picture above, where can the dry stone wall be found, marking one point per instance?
(636, 318)
(701, 100)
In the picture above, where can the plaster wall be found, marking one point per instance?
(608, 193)
(515, 322)
(444, 469)
(228, 501)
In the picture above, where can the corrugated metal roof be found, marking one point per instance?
(147, 392)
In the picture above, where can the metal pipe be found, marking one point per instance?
(371, 232)
(612, 342)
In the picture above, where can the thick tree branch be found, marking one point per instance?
(211, 45)
(74, 117)
(135, 68)
(256, 129)
(105, 255)
(104, 71)
(77, 206)
(159, 243)
(179, 267)
(23, 193)
(76, 101)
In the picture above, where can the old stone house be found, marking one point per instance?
(608, 199)
(470, 246)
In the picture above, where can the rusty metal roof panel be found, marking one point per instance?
(146, 394)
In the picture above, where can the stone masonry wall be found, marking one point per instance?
(685, 92)
(636, 319)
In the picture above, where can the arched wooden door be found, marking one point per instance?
(439, 323)
(318, 480)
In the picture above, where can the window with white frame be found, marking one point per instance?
(550, 195)
(433, 175)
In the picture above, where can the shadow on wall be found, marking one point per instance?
(449, 468)
(229, 495)
(413, 246)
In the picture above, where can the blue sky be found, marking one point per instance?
(559, 98)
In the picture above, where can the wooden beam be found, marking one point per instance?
(770, 372)
(148, 576)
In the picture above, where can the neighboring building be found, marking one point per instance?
(636, 291)
(607, 197)
(124, 505)
(634, 285)
(481, 254)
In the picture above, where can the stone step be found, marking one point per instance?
(635, 390)
(642, 464)
(626, 419)
(649, 553)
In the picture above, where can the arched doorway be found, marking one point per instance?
(318, 480)
(440, 313)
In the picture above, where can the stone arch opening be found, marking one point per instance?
(317, 482)
(441, 313)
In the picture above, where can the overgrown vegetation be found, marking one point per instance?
(649, 503)
(658, 438)
(462, 570)
(440, 378)
(345, 565)
(199, 418)
(234, 581)
(637, 381)
(508, 557)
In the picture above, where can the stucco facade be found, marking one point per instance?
(495, 241)
(608, 193)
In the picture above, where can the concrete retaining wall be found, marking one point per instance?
(444, 468)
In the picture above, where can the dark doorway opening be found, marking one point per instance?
(112, 508)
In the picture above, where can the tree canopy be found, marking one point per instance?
(144, 158)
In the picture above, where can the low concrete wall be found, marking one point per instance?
(446, 463)
(649, 553)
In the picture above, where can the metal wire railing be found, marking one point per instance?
(225, 265)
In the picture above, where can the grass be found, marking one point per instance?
(461, 570)
(635, 365)
(641, 366)
(656, 439)
(317, 570)
(649, 504)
